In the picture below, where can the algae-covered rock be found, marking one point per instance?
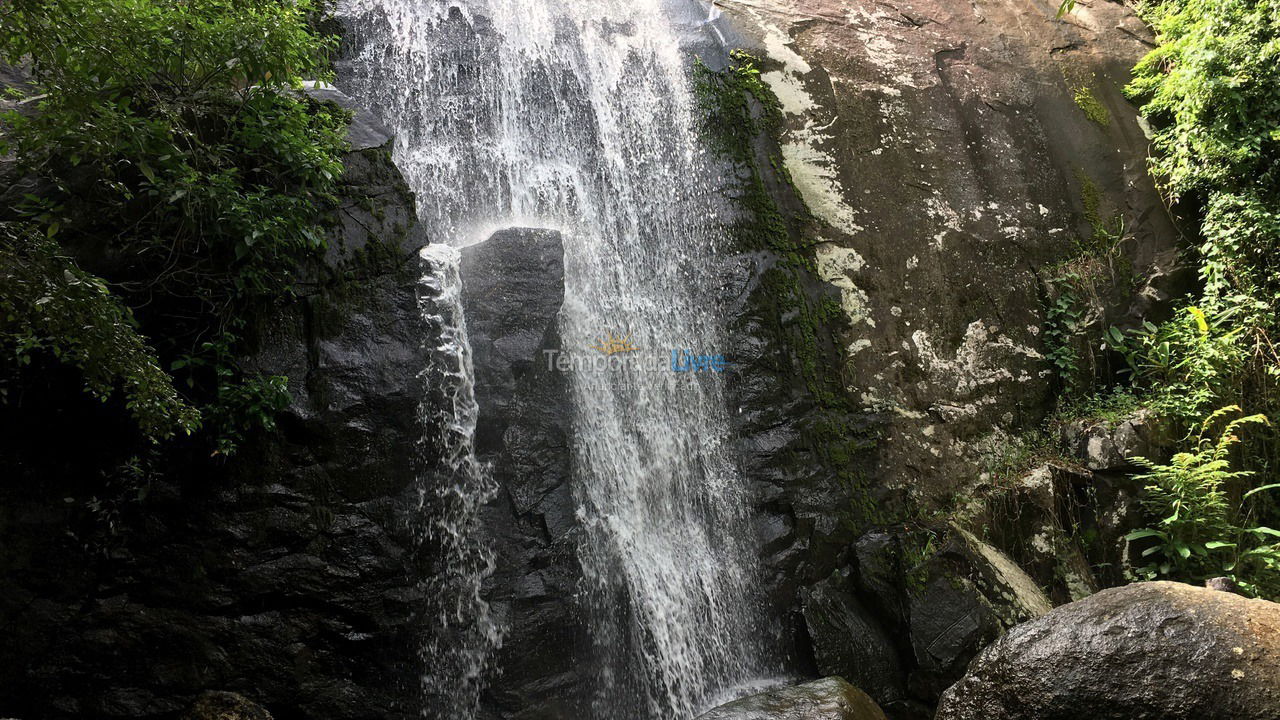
(973, 592)
(830, 698)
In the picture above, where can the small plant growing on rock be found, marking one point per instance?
(1200, 532)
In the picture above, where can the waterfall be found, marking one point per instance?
(580, 116)
(462, 633)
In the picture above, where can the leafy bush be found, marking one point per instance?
(1188, 365)
(1212, 96)
(1200, 531)
(181, 164)
(50, 305)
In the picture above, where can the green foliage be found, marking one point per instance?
(1212, 96)
(1062, 324)
(1188, 365)
(49, 305)
(918, 549)
(180, 157)
(1111, 406)
(728, 96)
(1199, 531)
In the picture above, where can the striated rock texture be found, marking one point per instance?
(830, 698)
(225, 706)
(1151, 650)
(286, 575)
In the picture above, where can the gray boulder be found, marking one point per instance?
(830, 698)
(512, 290)
(1146, 651)
(1108, 446)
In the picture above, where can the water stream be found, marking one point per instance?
(580, 116)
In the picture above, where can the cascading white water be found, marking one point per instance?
(580, 116)
(463, 633)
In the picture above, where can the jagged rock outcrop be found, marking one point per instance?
(905, 623)
(831, 698)
(286, 575)
(849, 641)
(1151, 650)
(1103, 446)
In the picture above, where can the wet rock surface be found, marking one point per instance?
(225, 706)
(286, 574)
(848, 641)
(831, 698)
(971, 593)
(513, 287)
(1150, 650)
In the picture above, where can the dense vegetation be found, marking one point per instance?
(1212, 94)
(176, 179)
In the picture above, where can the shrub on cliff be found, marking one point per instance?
(1212, 95)
(178, 164)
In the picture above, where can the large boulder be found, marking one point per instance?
(1151, 650)
(512, 290)
(830, 698)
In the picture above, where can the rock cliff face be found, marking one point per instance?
(953, 157)
(286, 575)
(958, 160)
(513, 287)
(953, 154)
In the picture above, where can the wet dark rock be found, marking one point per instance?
(831, 698)
(513, 287)
(225, 706)
(1150, 650)
(881, 574)
(971, 594)
(287, 574)
(849, 641)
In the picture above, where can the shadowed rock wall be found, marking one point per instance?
(287, 574)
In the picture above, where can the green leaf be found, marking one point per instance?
(1256, 490)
